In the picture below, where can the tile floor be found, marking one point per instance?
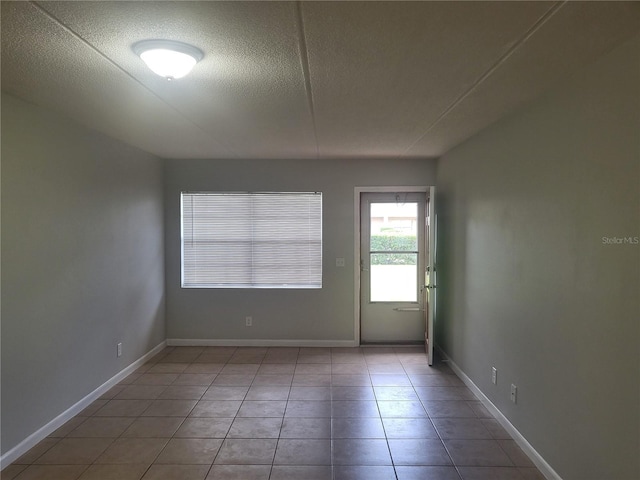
(224, 413)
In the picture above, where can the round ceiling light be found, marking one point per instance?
(168, 58)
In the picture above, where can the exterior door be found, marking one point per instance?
(430, 280)
(393, 266)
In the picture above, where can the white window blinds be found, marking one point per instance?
(252, 240)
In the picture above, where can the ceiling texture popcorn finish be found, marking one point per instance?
(302, 79)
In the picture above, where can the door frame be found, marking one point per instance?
(358, 191)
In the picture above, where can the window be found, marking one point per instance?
(251, 240)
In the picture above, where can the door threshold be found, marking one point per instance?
(392, 344)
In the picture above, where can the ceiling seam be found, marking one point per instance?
(304, 62)
(92, 47)
(528, 34)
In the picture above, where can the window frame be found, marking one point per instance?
(316, 243)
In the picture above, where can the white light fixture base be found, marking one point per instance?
(168, 58)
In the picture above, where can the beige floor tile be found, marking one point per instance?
(356, 451)
(204, 428)
(430, 380)
(479, 409)
(386, 368)
(419, 452)
(237, 451)
(183, 392)
(156, 379)
(353, 393)
(262, 408)
(194, 379)
(190, 451)
(350, 380)
(277, 369)
(310, 393)
(490, 473)
(112, 392)
(260, 392)
(153, 427)
(93, 408)
(349, 369)
(390, 380)
(300, 380)
(496, 430)
(109, 427)
(204, 368)
(531, 474)
(131, 392)
(515, 453)
(176, 472)
(449, 409)
(313, 369)
(225, 393)
(12, 471)
(364, 473)
(216, 408)
(240, 369)
(123, 408)
(463, 428)
(477, 453)
(354, 408)
(386, 394)
(282, 413)
(293, 427)
(52, 472)
(255, 428)
(133, 450)
(308, 408)
(75, 451)
(357, 427)
(114, 472)
(37, 451)
(409, 428)
(426, 472)
(294, 472)
(303, 452)
(278, 380)
(68, 427)
(239, 472)
(168, 368)
(170, 408)
(233, 380)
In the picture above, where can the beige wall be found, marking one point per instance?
(526, 283)
(326, 314)
(82, 263)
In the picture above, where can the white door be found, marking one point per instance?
(431, 274)
(393, 265)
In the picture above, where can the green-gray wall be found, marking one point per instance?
(82, 263)
(526, 283)
(312, 315)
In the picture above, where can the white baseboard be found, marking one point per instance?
(201, 342)
(546, 469)
(29, 442)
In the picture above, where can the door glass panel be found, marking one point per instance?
(394, 252)
(394, 277)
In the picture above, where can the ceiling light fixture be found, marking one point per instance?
(168, 58)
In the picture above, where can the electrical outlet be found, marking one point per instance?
(248, 321)
(514, 393)
(494, 375)
(339, 262)
(119, 349)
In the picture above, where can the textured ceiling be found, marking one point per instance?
(302, 79)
